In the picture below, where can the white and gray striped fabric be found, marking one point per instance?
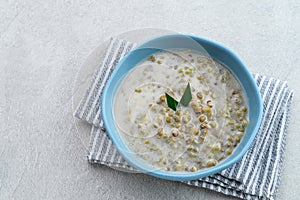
(89, 107)
(256, 176)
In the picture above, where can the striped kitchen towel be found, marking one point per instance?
(89, 107)
(256, 176)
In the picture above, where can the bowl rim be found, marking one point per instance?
(188, 175)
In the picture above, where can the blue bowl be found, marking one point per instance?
(216, 51)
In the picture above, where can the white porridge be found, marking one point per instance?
(187, 138)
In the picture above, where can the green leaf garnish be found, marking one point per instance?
(172, 103)
(187, 96)
(185, 99)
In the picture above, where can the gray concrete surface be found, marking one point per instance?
(43, 45)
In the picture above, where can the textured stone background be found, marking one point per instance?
(43, 45)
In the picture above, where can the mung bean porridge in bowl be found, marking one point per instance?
(179, 108)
